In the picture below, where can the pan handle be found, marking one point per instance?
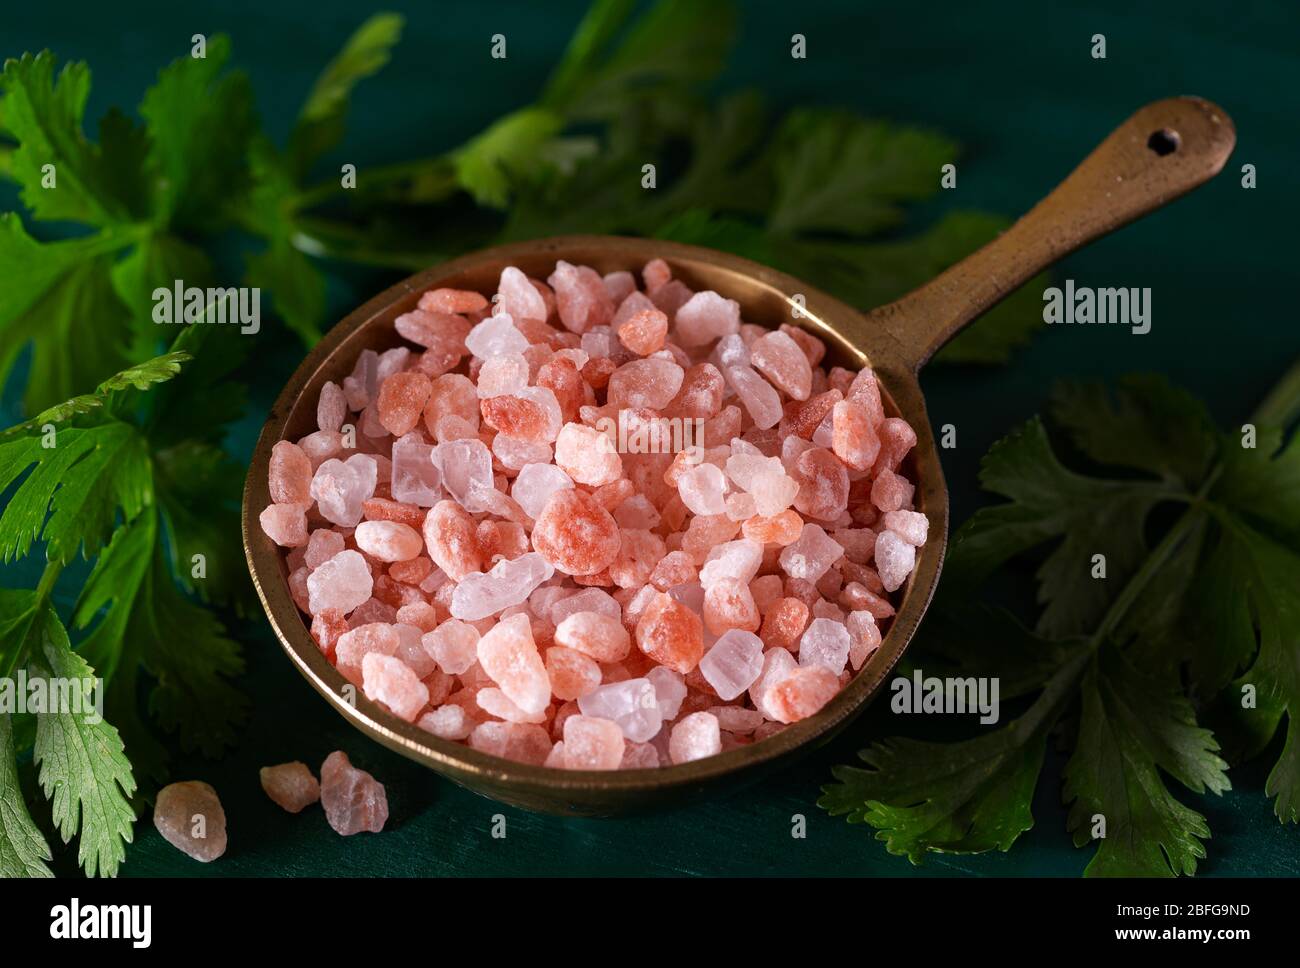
(1162, 152)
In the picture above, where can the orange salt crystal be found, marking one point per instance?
(674, 568)
(401, 401)
(452, 539)
(412, 571)
(576, 534)
(813, 348)
(453, 301)
(326, 627)
(802, 693)
(779, 529)
(385, 509)
(700, 394)
(801, 419)
(656, 274)
(705, 532)
(644, 332)
(639, 552)
(561, 377)
(671, 634)
(823, 484)
(597, 371)
(784, 623)
(451, 394)
(290, 474)
(599, 636)
(853, 435)
(728, 604)
(611, 495)
(779, 358)
(573, 674)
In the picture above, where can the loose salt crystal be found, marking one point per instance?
(600, 636)
(515, 453)
(739, 559)
(502, 375)
(341, 584)
(331, 408)
(415, 478)
(765, 479)
(730, 351)
(535, 484)
(733, 663)
(706, 316)
(637, 512)
(509, 582)
(354, 801)
(737, 719)
(777, 664)
(453, 645)
(802, 693)
(702, 489)
(509, 656)
(446, 722)
(670, 690)
(466, 468)
(778, 357)
(496, 703)
(912, 526)
(323, 545)
(650, 382)
(591, 743)
(388, 540)
(495, 336)
(756, 395)
(588, 600)
(285, 524)
(811, 555)
(895, 559)
(639, 756)
(694, 738)
(190, 818)
(632, 704)
(825, 643)
(291, 785)
(341, 487)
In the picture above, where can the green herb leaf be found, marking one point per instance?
(82, 769)
(23, 850)
(1130, 724)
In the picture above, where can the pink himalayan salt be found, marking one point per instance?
(503, 473)
(285, 524)
(340, 487)
(778, 357)
(387, 679)
(631, 703)
(354, 801)
(388, 540)
(593, 634)
(695, 737)
(508, 583)
(587, 455)
(291, 785)
(811, 555)
(706, 316)
(341, 583)
(733, 663)
(825, 643)
(639, 756)
(575, 534)
(447, 722)
(509, 656)
(591, 743)
(895, 559)
(802, 693)
(190, 818)
(453, 645)
(290, 474)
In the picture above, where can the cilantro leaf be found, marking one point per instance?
(1047, 502)
(200, 125)
(320, 123)
(82, 769)
(1130, 724)
(97, 184)
(143, 614)
(837, 172)
(23, 850)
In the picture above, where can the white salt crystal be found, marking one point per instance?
(535, 485)
(495, 336)
(826, 643)
(912, 526)
(587, 600)
(415, 478)
(340, 487)
(694, 738)
(510, 582)
(739, 559)
(734, 662)
(502, 374)
(670, 690)
(706, 316)
(703, 489)
(756, 395)
(632, 703)
(895, 559)
(811, 554)
(466, 468)
(342, 583)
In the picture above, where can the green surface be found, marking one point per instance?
(1018, 88)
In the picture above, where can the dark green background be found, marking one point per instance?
(1016, 85)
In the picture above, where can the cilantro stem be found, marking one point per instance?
(438, 168)
(53, 569)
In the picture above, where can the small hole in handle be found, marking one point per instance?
(1163, 142)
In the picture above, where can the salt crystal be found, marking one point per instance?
(733, 663)
(756, 395)
(415, 478)
(453, 645)
(694, 738)
(599, 636)
(341, 584)
(592, 744)
(912, 526)
(495, 336)
(738, 559)
(509, 656)
(865, 636)
(706, 316)
(447, 722)
(587, 455)
(825, 643)
(519, 297)
(670, 690)
(895, 559)
(777, 664)
(535, 484)
(354, 801)
(291, 785)
(778, 357)
(810, 556)
(466, 468)
(340, 487)
(702, 489)
(510, 582)
(388, 540)
(502, 374)
(190, 818)
(632, 704)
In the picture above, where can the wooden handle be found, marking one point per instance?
(1162, 152)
